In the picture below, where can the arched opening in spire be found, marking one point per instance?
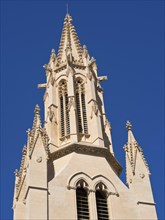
(64, 114)
(81, 107)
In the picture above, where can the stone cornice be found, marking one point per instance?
(90, 150)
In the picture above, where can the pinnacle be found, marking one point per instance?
(53, 50)
(37, 109)
(132, 148)
(68, 18)
(131, 138)
(129, 125)
(52, 57)
(37, 120)
(24, 150)
(69, 40)
(16, 172)
(28, 131)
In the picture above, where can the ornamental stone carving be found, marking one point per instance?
(94, 109)
(71, 104)
(51, 115)
(47, 68)
(142, 175)
(39, 159)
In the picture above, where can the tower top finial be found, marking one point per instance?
(129, 125)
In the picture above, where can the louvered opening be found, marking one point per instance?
(102, 208)
(81, 107)
(64, 113)
(82, 204)
(79, 113)
(67, 115)
(84, 113)
(62, 117)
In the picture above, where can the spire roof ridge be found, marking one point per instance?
(131, 138)
(69, 40)
(36, 123)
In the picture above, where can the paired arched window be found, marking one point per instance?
(101, 202)
(82, 201)
(81, 107)
(64, 113)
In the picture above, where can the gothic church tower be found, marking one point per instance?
(68, 168)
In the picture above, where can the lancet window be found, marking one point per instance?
(64, 113)
(101, 202)
(81, 107)
(82, 201)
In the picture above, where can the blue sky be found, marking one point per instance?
(127, 40)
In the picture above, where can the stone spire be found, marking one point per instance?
(73, 98)
(52, 59)
(69, 44)
(135, 161)
(37, 119)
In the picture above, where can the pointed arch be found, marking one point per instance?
(74, 179)
(81, 106)
(64, 113)
(110, 188)
(92, 182)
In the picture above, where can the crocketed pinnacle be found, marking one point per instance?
(37, 110)
(69, 41)
(129, 125)
(131, 144)
(52, 56)
(131, 138)
(132, 149)
(37, 120)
